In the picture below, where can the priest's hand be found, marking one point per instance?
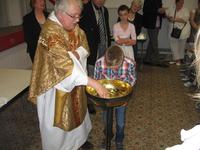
(101, 90)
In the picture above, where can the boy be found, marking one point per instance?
(115, 66)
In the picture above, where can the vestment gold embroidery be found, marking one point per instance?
(52, 64)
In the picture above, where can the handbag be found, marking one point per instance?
(176, 32)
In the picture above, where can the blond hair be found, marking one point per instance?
(137, 2)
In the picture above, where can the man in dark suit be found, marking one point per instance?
(89, 23)
(152, 20)
(98, 40)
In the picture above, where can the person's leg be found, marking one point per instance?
(174, 48)
(135, 51)
(154, 44)
(149, 48)
(104, 116)
(182, 48)
(120, 113)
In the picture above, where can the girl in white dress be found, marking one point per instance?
(124, 32)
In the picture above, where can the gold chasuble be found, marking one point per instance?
(52, 64)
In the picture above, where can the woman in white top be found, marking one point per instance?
(178, 16)
(124, 32)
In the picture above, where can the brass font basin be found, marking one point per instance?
(119, 93)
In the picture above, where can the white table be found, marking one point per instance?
(12, 83)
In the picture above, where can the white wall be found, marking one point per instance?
(3, 15)
(116, 3)
(14, 12)
(11, 12)
(187, 3)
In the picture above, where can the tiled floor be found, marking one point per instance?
(157, 111)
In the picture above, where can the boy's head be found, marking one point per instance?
(114, 56)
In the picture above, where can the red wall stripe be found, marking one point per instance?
(11, 40)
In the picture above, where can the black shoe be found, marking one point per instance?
(87, 146)
(91, 109)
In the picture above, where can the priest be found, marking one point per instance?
(58, 79)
